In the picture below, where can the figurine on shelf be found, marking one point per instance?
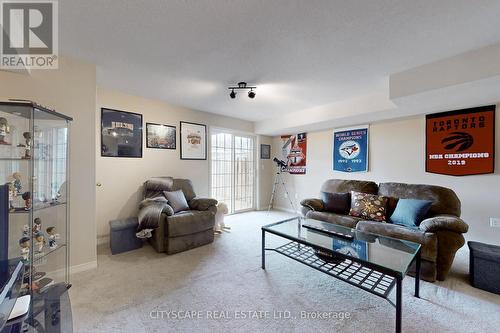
(27, 200)
(4, 130)
(53, 236)
(27, 151)
(12, 195)
(26, 230)
(40, 241)
(24, 243)
(37, 225)
(17, 182)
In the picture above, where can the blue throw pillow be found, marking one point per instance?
(410, 212)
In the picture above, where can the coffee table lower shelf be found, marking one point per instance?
(346, 270)
(349, 271)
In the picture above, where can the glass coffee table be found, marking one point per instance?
(367, 261)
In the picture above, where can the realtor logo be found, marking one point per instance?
(29, 35)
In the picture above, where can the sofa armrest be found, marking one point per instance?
(444, 222)
(313, 204)
(203, 204)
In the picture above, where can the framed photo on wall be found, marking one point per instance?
(193, 141)
(160, 136)
(121, 133)
(265, 152)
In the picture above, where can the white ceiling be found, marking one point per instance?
(300, 54)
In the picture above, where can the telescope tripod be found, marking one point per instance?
(278, 180)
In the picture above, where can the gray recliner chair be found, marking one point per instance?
(183, 230)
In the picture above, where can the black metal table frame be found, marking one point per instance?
(396, 275)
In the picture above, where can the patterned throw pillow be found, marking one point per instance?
(368, 206)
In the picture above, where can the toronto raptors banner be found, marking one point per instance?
(350, 149)
(461, 142)
(294, 151)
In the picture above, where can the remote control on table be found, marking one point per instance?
(327, 231)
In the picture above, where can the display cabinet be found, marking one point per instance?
(34, 195)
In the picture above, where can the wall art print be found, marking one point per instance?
(193, 141)
(350, 149)
(294, 152)
(121, 133)
(461, 142)
(160, 136)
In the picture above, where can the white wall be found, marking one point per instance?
(122, 178)
(397, 153)
(265, 174)
(69, 90)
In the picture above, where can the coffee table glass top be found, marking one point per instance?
(385, 252)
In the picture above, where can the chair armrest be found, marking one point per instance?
(444, 222)
(151, 212)
(313, 204)
(151, 205)
(202, 204)
(168, 210)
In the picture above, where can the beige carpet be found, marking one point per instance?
(131, 291)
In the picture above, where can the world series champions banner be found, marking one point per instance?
(294, 150)
(350, 149)
(461, 142)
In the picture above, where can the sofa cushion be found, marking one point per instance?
(426, 239)
(410, 212)
(368, 206)
(346, 186)
(344, 220)
(189, 222)
(176, 200)
(444, 200)
(339, 203)
(391, 205)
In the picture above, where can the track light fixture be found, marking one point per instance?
(251, 94)
(242, 85)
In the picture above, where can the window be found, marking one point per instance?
(233, 170)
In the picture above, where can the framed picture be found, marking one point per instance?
(121, 133)
(265, 152)
(193, 141)
(160, 136)
(461, 142)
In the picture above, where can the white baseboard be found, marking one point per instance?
(59, 274)
(83, 267)
(102, 240)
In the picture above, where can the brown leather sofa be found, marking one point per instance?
(440, 233)
(183, 230)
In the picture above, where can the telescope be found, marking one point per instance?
(280, 163)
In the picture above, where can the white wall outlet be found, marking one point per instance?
(494, 222)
